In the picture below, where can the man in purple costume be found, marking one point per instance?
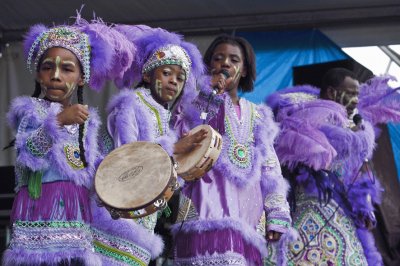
(324, 147)
(227, 216)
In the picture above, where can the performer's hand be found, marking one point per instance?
(369, 224)
(219, 81)
(370, 221)
(74, 114)
(273, 236)
(190, 142)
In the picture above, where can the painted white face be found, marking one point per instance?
(59, 74)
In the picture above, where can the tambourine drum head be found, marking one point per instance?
(133, 175)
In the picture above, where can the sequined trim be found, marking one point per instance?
(278, 222)
(67, 37)
(261, 225)
(226, 259)
(170, 54)
(50, 235)
(39, 143)
(273, 200)
(72, 152)
(298, 97)
(155, 112)
(149, 222)
(117, 254)
(106, 144)
(119, 249)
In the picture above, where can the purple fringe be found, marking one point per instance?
(47, 207)
(248, 234)
(14, 257)
(221, 241)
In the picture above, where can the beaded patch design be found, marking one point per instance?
(39, 143)
(72, 153)
(223, 259)
(335, 243)
(120, 250)
(149, 222)
(240, 153)
(51, 235)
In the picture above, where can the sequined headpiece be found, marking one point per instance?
(157, 47)
(168, 55)
(104, 53)
(66, 37)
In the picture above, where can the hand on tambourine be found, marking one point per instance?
(74, 114)
(189, 142)
(273, 236)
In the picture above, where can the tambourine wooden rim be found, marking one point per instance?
(195, 164)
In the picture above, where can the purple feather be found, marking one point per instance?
(31, 36)
(378, 102)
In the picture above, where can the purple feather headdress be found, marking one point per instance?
(103, 52)
(151, 40)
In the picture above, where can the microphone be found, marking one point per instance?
(203, 115)
(226, 75)
(357, 119)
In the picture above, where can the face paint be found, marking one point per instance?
(341, 99)
(57, 72)
(70, 89)
(236, 77)
(159, 88)
(351, 101)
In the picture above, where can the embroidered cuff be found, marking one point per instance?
(278, 213)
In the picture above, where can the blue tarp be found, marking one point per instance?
(394, 132)
(276, 54)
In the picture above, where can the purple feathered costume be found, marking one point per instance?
(223, 216)
(52, 212)
(333, 193)
(134, 115)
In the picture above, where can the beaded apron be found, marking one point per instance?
(336, 244)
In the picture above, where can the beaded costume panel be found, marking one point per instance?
(327, 236)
